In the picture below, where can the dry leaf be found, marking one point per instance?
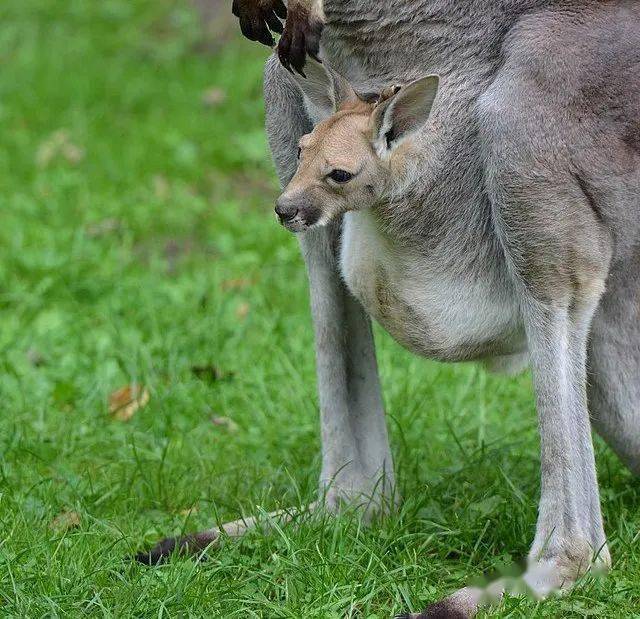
(65, 520)
(72, 153)
(124, 402)
(213, 96)
(58, 144)
(238, 283)
(242, 310)
(225, 422)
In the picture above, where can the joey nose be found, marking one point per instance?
(286, 212)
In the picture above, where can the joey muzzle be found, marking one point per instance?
(295, 213)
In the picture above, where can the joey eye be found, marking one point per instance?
(340, 176)
(389, 137)
(299, 152)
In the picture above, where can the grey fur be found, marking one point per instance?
(530, 183)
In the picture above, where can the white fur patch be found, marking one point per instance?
(432, 313)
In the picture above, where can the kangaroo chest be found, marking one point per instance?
(430, 309)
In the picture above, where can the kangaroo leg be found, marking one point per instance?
(569, 533)
(356, 460)
(558, 252)
(614, 365)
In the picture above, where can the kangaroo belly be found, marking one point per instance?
(429, 309)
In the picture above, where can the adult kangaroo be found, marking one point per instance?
(507, 227)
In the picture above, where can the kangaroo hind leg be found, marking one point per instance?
(614, 364)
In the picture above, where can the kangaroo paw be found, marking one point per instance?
(301, 37)
(258, 18)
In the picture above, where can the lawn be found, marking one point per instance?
(138, 247)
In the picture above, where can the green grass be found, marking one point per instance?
(136, 242)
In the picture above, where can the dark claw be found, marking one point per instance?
(257, 17)
(280, 9)
(245, 27)
(301, 38)
(275, 25)
(298, 61)
(261, 32)
(284, 45)
(313, 40)
(297, 52)
(314, 56)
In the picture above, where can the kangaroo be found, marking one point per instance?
(488, 210)
(365, 164)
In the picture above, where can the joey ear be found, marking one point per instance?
(400, 115)
(324, 90)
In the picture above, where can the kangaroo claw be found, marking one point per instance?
(259, 19)
(301, 37)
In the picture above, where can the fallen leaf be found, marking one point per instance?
(65, 520)
(242, 310)
(225, 422)
(124, 402)
(73, 153)
(213, 96)
(58, 144)
(210, 373)
(238, 283)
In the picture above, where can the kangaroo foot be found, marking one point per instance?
(195, 544)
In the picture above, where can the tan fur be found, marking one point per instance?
(344, 141)
(342, 126)
(367, 137)
(341, 142)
